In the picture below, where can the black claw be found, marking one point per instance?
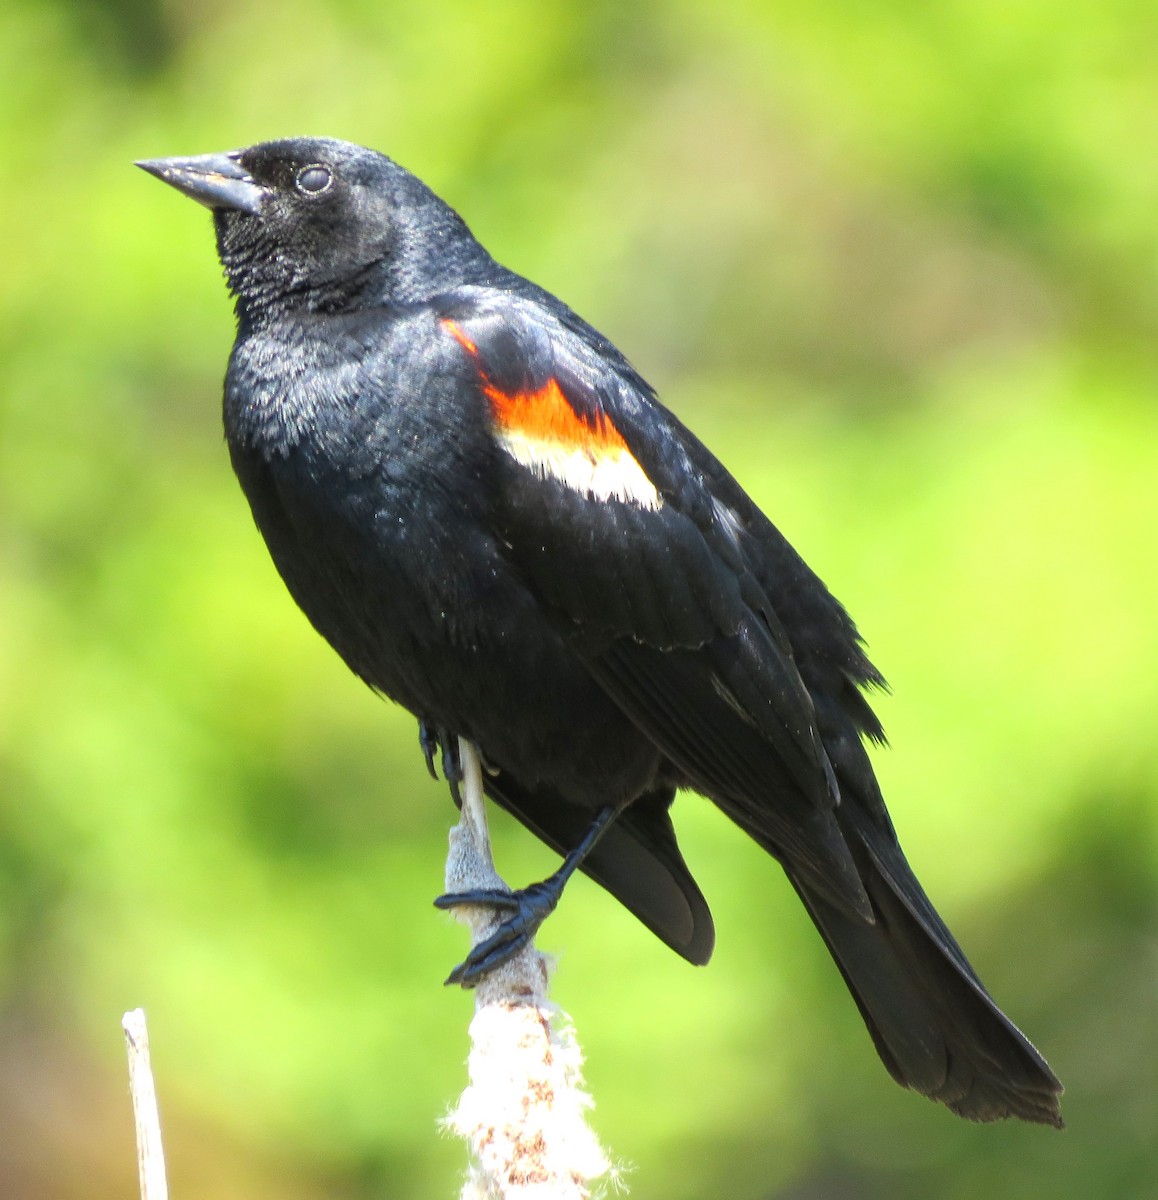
(428, 740)
(529, 907)
(485, 957)
(438, 739)
(492, 899)
(453, 781)
(451, 764)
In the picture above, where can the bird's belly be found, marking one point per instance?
(491, 668)
(422, 606)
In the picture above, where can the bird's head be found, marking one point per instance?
(323, 224)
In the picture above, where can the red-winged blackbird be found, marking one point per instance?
(485, 510)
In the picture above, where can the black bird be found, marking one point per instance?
(480, 504)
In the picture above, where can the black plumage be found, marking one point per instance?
(486, 511)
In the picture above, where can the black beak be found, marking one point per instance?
(215, 180)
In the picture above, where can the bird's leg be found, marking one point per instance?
(436, 738)
(474, 812)
(529, 907)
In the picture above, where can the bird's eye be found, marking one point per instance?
(314, 179)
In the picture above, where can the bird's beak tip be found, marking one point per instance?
(218, 181)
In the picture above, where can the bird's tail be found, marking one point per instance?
(936, 1028)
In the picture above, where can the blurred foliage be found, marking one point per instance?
(898, 264)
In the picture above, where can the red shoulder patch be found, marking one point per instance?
(455, 331)
(542, 430)
(546, 415)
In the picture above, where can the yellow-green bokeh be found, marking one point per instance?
(898, 264)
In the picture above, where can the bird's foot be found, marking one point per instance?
(435, 739)
(529, 908)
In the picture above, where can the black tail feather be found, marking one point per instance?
(936, 1028)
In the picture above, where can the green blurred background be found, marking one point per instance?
(898, 264)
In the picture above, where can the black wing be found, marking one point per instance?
(696, 615)
(611, 518)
